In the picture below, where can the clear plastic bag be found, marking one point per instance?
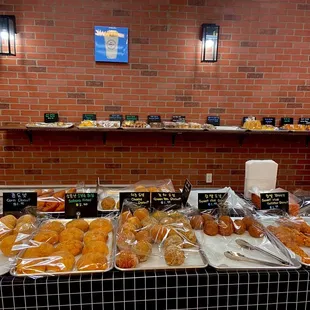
(153, 239)
(63, 246)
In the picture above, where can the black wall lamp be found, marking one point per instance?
(7, 35)
(210, 42)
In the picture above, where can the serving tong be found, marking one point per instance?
(246, 245)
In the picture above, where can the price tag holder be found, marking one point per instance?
(51, 117)
(178, 119)
(13, 202)
(275, 201)
(154, 119)
(214, 120)
(80, 205)
(89, 117)
(304, 121)
(286, 121)
(132, 118)
(142, 199)
(269, 121)
(116, 117)
(186, 191)
(208, 201)
(165, 200)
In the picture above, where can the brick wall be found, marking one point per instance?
(263, 70)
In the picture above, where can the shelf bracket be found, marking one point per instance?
(173, 138)
(104, 138)
(241, 140)
(29, 135)
(307, 140)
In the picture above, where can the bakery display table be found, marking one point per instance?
(182, 289)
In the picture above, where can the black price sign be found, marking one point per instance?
(209, 200)
(186, 191)
(274, 201)
(154, 119)
(178, 119)
(142, 199)
(89, 117)
(81, 205)
(214, 120)
(304, 121)
(116, 117)
(132, 118)
(165, 200)
(269, 121)
(18, 201)
(51, 117)
(286, 121)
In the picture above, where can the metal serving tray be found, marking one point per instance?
(49, 125)
(110, 258)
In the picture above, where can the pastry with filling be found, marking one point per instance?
(92, 261)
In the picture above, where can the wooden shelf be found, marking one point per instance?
(241, 134)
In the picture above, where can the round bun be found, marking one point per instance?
(125, 216)
(102, 223)
(60, 261)
(125, 240)
(210, 228)
(43, 250)
(255, 231)
(73, 246)
(159, 233)
(142, 249)
(53, 225)
(141, 213)
(225, 224)
(78, 223)
(96, 246)
(158, 215)
(49, 236)
(108, 203)
(141, 188)
(173, 240)
(70, 234)
(9, 222)
(95, 235)
(197, 222)
(92, 261)
(144, 235)
(27, 218)
(35, 265)
(7, 244)
(135, 221)
(239, 227)
(126, 259)
(174, 256)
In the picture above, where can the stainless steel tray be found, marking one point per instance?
(110, 257)
(215, 246)
(49, 125)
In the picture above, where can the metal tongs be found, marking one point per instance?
(240, 257)
(246, 245)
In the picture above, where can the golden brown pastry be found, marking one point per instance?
(70, 234)
(124, 216)
(149, 221)
(173, 240)
(6, 245)
(255, 231)
(60, 194)
(197, 222)
(78, 223)
(207, 217)
(144, 235)
(142, 249)
(60, 261)
(53, 225)
(158, 215)
(159, 233)
(24, 227)
(42, 250)
(50, 206)
(31, 266)
(92, 261)
(225, 225)
(167, 220)
(125, 240)
(126, 259)
(96, 246)
(27, 218)
(248, 221)
(49, 236)
(73, 246)
(153, 189)
(174, 256)
(108, 203)
(9, 222)
(141, 188)
(189, 238)
(60, 207)
(141, 213)
(95, 235)
(210, 228)
(128, 227)
(239, 227)
(102, 223)
(134, 221)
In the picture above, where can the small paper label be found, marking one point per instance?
(209, 200)
(51, 117)
(275, 201)
(165, 200)
(80, 205)
(18, 201)
(142, 199)
(89, 117)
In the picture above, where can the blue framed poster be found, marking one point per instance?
(111, 44)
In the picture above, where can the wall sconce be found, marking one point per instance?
(210, 42)
(7, 35)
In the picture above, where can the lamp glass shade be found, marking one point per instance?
(7, 35)
(210, 41)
